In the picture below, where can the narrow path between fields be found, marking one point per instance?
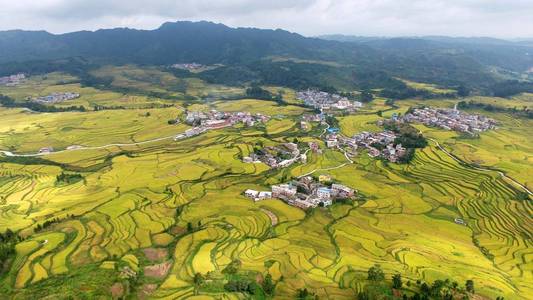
(11, 154)
(331, 168)
(271, 215)
(480, 168)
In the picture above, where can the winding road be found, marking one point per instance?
(331, 168)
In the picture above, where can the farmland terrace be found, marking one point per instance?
(130, 211)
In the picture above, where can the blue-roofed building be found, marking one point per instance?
(333, 130)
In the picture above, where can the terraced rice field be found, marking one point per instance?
(137, 199)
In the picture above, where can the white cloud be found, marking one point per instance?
(500, 18)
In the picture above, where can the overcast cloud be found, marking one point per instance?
(497, 18)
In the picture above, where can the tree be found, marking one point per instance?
(522, 196)
(424, 288)
(238, 286)
(257, 92)
(198, 281)
(375, 273)
(469, 285)
(366, 96)
(232, 267)
(279, 98)
(268, 285)
(397, 281)
(189, 227)
(363, 296)
(303, 293)
(463, 91)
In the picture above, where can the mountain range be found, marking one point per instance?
(475, 62)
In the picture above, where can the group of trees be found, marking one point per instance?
(492, 108)
(402, 91)
(409, 137)
(6, 101)
(68, 178)
(304, 294)
(8, 239)
(190, 226)
(511, 87)
(257, 92)
(237, 281)
(439, 289)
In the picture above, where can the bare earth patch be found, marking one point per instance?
(158, 271)
(271, 215)
(117, 290)
(156, 254)
(146, 290)
(177, 230)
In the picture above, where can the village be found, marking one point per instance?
(378, 144)
(188, 66)
(327, 102)
(280, 156)
(449, 119)
(56, 98)
(203, 121)
(306, 192)
(12, 80)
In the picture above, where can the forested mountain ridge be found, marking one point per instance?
(254, 54)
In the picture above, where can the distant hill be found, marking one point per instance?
(512, 55)
(275, 56)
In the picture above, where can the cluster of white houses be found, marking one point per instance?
(188, 66)
(280, 156)
(450, 119)
(12, 80)
(304, 193)
(214, 119)
(325, 101)
(56, 98)
(378, 144)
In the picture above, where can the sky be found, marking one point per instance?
(494, 18)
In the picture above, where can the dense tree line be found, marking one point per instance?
(524, 112)
(402, 91)
(379, 288)
(511, 87)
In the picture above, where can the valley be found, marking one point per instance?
(117, 207)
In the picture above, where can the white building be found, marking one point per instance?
(332, 143)
(283, 190)
(263, 195)
(323, 193)
(251, 193)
